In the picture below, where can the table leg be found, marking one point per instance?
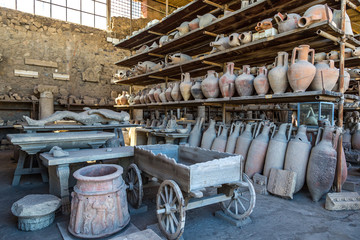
(63, 172)
(19, 168)
(43, 171)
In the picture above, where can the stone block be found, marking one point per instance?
(282, 183)
(146, 234)
(260, 184)
(235, 222)
(156, 229)
(342, 201)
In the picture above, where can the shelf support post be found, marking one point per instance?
(223, 112)
(166, 81)
(108, 14)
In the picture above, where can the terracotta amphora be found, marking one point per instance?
(177, 58)
(315, 14)
(123, 98)
(183, 28)
(264, 25)
(355, 139)
(278, 75)
(244, 83)
(157, 93)
(275, 155)
(117, 100)
(210, 85)
(321, 56)
(168, 93)
(297, 156)
(196, 91)
(344, 171)
(322, 164)
(234, 134)
(194, 24)
(221, 43)
(175, 92)
(209, 135)
(206, 19)
(234, 40)
(142, 97)
(346, 82)
(257, 151)
(151, 95)
(245, 37)
(195, 134)
(333, 55)
(244, 140)
(227, 81)
(137, 98)
(301, 72)
(185, 86)
(219, 143)
(162, 96)
(287, 22)
(261, 83)
(326, 76)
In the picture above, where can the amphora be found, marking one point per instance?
(195, 134)
(278, 75)
(210, 85)
(209, 135)
(234, 134)
(261, 83)
(326, 76)
(219, 143)
(185, 86)
(244, 83)
(227, 81)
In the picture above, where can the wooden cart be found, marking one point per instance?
(185, 173)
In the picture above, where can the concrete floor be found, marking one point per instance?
(273, 217)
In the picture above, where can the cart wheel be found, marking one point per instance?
(170, 207)
(242, 203)
(135, 189)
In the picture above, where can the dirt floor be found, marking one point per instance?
(273, 217)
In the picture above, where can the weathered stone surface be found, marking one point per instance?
(282, 183)
(342, 201)
(260, 184)
(146, 234)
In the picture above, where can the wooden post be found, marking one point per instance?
(167, 7)
(131, 5)
(108, 15)
(166, 82)
(223, 112)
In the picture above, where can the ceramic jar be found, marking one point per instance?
(98, 206)
(122, 99)
(205, 19)
(195, 134)
(301, 72)
(355, 139)
(326, 76)
(151, 95)
(157, 93)
(196, 91)
(315, 14)
(346, 82)
(321, 56)
(227, 81)
(278, 75)
(333, 55)
(245, 37)
(162, 96)
(210, 85)
(175, 92)
(244, 83)
(261, 83)
(347, 139)
(287, 22)
(234, 134)
(209, 135)
(219, 143)
(185, 86)
(244, 140)
(234, 40)
(142, 97)
(194, 24)
(168, 93)
(183, 28)
(221, 43)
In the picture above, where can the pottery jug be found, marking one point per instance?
(234, 134)
(234, 40)
(227, 81)
(142, 97)
(196, 91)
(177, 58)
(219, 143)
(346, 82)
(297, 156)
(168, 93)
(206, 19)
(287, 22)
(163, 40)
(183, 28)
(314, 14)
(151, 95)
(221, 43)
(137, 98)
(344, 171)
(322, 164)
(301, 73)
(185, 86)
(194, 24)
(275, 155)
(123, 98)
(145, 67)
(264, 25)
(117, 100)
(348, 53)
(142, 49)
(245, 37)
(257, 151)
(333, 55)
(209, 135)
(210, 85)
(321, 56)
(355, 139)
(261, 83)
(244, 83)
(278, 75)
(175, 92)
(131, 99)
(157, 93)
(195, 134)
(244, 140)
(162, 96)
(326, 76)
(153, 45)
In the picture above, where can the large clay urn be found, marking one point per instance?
(244, 140)
(275, 155)
(261, 83)
(185, 86)
(162, 96)
(278, 75)
(234, 134)
(157, 93)
(210, 85)
(315, 14)
(227, 81)
(205, 19)
(168, 93)
(195, 134)
(301, 72)
(355, 139)
(346, 82)
(175, 92)
(244, 83)
(257, 151)
(297, 156)
(322, 164)
(196, 91)
(142, 97)
(151, 95)
(344, 171)
(137, 98)
(117, 100)
(219, 143)
(194, 24)
(123, 98)
(98, 206)
(326, 76)
(287, 22)
(209, 135)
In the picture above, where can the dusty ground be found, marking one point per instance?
(273, 217)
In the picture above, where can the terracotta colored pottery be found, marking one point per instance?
(206, 19)
(209, 135)
(196, 91)
(157, 93)
(221, 43)
(244, 140)
(227, 81)
(162, 96)
(245, 37)
(177, 58)
(194, 24)
(99, 206)
(175, 92)
(142, 97)
(278, 75)
(355, 139)
(287, 22)
(261, 83)
(210, 85)
(219, 143)
(183, 28)
(117, 100)
(185, 86)
(321, 56)
(347, 139)
(151, 95)
(346, 82)
(234, 134)
(315, 14)
(123, 98)
(168, 93)
(297, 156)
(333, 55)
(234, 40)
(195, 134)
(326, 76)
(244, 83)
(264, 25)
(301, 72)
(344, 171)
(322, 164)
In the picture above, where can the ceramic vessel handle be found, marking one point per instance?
(276, 61)
(232, 128)
(242, 127)
(293, 56)
(219, 130)
(273, 126)
(278, 18)
(312, 52)
(216, 74)
(265, 71)
(320, 131)
(182, 76)
(258, 129)
(290, 130)
(248, 70)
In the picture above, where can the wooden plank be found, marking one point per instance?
(62, 77)
(41, 63)
(24, 73)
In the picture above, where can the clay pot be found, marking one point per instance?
(195, 134)
(168, 93)
(301, 72)
(322, 164)
(209, 135)
(344, 171)
(210, 85)
(142, 97)
(333, 55)
(321, 56)
(221, 43)
(98, 206)
(206, 19)
(245, 37)
(137, 98)
(183, 28)
(185, 86)
(287, 22)
(153, 45)
(326, 76)
(227, 81)
(163, 40)
(348, 52)
(297, 156)
(117, 100)
(157, 93)
(219, 143)
(244, 140)
(144, 67)
(196, 91)
(278, 75)
(244, 83)
(162, 96)
(315, 14)
(142, 49)
(234, 40)
(346, 82)
(261, 83)
(175, 92)
(275, 155)
(234, 134)
(355, 139)
(131, 100)
(257, 151)
(263, 25)
(151, 95)
(177, 58)
(194, 24)
(123, 100)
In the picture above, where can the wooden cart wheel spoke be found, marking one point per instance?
(171, 195)
(162, 197)
(171, 224)
(241, 204)
(244, 198)
(236, 208)
(174, 218)
(166, 194)
(231, 201)
(134, 181)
